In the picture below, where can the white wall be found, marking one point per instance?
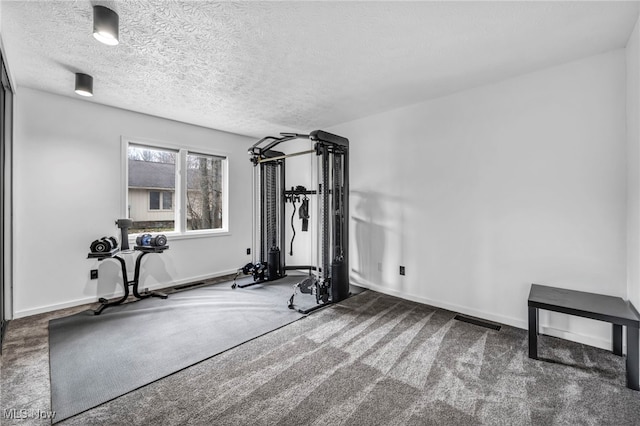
(481, 193)
(633, 142)
(68, 192)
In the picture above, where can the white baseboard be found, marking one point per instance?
(120, 292)
(54, 307)
(585, 339)
(189, 280)
(590, 340)
(514, 322)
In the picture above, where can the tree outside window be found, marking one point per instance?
(204, 192)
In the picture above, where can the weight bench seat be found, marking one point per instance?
(610, 309)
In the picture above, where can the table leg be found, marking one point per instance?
(633, 361)
(533, 332)
(617, 339)
(136, 281)
(104, 303)
(136, 276)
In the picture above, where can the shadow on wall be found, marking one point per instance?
(109, 280)
(370, 240)
(153, 270)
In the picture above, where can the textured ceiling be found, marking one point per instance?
(259, 68)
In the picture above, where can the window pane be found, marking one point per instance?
(204, 191)
(154, 200)
(151, 171)
(166, 201)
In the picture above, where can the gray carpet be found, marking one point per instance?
(378, 360)
(94, 359)
(351, 364)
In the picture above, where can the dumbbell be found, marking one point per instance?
(99, 246)
(113, 241)
(104, 245)
(143, 240)
(158, 241)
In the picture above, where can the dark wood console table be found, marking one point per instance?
(610, 309)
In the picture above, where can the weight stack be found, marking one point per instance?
(273, 263)
(339, 281)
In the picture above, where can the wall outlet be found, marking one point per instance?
(401, 270)
(94, 274)
(248, 251)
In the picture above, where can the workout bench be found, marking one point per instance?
(589, 305)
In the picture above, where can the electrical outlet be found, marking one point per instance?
(94, 274)
(401, 270)
(248, 251)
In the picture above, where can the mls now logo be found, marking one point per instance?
(16, 414)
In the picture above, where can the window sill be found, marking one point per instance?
(173, 236)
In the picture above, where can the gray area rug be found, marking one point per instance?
(94, 359)
(378, 360)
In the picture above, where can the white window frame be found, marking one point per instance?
(180, 194)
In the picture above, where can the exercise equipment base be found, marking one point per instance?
(311, 309)
(234, 285)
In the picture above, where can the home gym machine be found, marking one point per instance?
(328, 278)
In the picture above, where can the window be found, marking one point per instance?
(154, 200)
(161, 180)
(167, 203)
(151, 173)
(160, 198)
(204, 191)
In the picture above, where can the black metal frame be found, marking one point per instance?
(333, 193)
(105, 303)
(610, 309)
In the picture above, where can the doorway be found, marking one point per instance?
(6, 261)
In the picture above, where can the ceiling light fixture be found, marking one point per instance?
(105, 25)
(84, 84)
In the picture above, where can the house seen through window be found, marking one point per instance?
(152, 195)
(152, 183)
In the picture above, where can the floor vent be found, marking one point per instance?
(476, 321)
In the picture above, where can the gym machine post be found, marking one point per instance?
(328, 279)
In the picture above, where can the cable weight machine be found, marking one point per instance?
(328, 276)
